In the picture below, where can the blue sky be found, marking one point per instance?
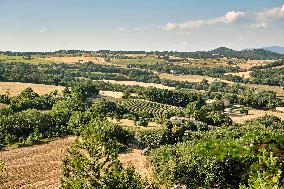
(183, 25)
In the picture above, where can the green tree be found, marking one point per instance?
(265, 173)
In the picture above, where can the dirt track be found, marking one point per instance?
(38, 166)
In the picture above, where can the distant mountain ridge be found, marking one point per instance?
(246, 54)
(276, 49)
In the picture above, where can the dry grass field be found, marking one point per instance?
(241, 74)
(252, 63)
(210, 63)
(72, 60)
(37, 166)
(135, 158)
(254, 114)
(130, 123)
(15, 88)
(278, 90)
(111, 94)
(197, 78)
(144, 60)
(191, 78)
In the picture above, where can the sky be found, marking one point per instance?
(179, 25)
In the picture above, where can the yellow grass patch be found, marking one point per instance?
(255, 114)
(72, 60)
(241, 74)
(191, 78)
(131, 123)
(15, 88)
(111, 94)
(134, 157)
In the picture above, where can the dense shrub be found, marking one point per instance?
(221, 158)
(101, 168)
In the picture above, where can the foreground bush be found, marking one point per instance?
(224, 158)
(93, 161)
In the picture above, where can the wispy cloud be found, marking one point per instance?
(121, 29)
(271, 14)
(257, 19)
(142, 29)
(43, 29)
(135, 29)
(257, 25)
(228, 18)
(170, 26)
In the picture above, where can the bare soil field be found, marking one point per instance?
(190, 78)
(72, 60)
(15, 88)
(111, 94)
(254, 114)
(132, 83)
(37, 166)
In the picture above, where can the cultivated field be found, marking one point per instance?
(15, 88)
(38, 166)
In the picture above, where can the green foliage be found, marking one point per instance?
(108, 108)
(169, 133)
(174, 98)
(221, 158)
(265, 173)
(142, 122)
(243, 110)
(93, 163)
(80, 78)
(28, 99)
